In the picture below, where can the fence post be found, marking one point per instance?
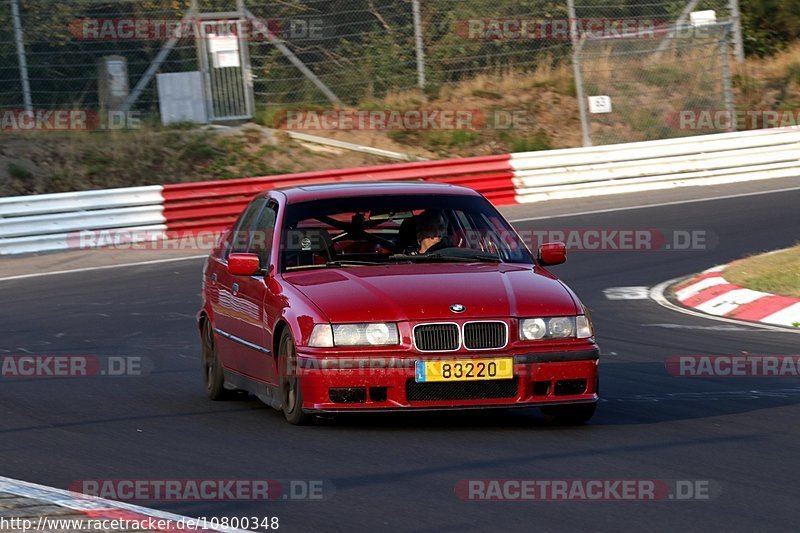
(727, 82)
(419, 44)
(736, 18)
(22, 60)
(577, 46)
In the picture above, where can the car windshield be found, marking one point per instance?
(372, 230)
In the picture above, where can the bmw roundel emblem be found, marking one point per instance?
(457, 308)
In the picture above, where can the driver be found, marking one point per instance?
(431, 232)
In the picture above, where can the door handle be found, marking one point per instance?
(235, 288)
(214, 277)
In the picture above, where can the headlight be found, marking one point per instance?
(532, 329)
(377, 334)
(560, 327)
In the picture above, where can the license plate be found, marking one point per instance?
(464, 370)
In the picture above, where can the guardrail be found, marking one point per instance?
(51, 221)
(215, 204)
(707, 159)
(46, 222)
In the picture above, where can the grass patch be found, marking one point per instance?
(19, 172)
(532, 143)
(445, 139)
(775, 273)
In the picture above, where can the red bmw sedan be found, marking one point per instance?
(391, 297)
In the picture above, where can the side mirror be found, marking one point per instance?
(552, 253)
(243, 264)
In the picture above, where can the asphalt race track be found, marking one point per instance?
(398, 473)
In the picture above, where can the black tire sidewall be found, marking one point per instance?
(296, 415)
(215, 383)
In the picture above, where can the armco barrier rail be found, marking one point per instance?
(46, 222)
(52, 221)
(213, 205)
(707, 159)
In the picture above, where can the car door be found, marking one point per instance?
(233, 308)
(251, 326)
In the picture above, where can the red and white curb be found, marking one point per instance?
(712, 294)
(47, 506)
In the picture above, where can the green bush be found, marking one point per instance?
(532, 143)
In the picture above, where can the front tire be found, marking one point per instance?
(291, 393)
(569, 415)
(212, 368)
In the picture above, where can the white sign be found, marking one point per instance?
(117, 79)
(224, 50)
(703, 18)
(227, 58)
(600, 104)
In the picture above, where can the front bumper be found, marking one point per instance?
(346, 384)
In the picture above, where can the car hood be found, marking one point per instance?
(426, 292)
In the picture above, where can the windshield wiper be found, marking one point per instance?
(483, 258)
(462, 256)
(335, 264)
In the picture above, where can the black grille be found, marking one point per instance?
(484, 335)
(462, 390)
(436, 337)
(354, 395)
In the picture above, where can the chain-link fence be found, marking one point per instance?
(658, 74)
(346, 52)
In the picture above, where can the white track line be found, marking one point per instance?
(657, 295)
(104, 267)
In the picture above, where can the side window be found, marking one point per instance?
(243, 233)
(264, 230)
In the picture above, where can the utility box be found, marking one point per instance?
(181, 97)
(112, 83)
